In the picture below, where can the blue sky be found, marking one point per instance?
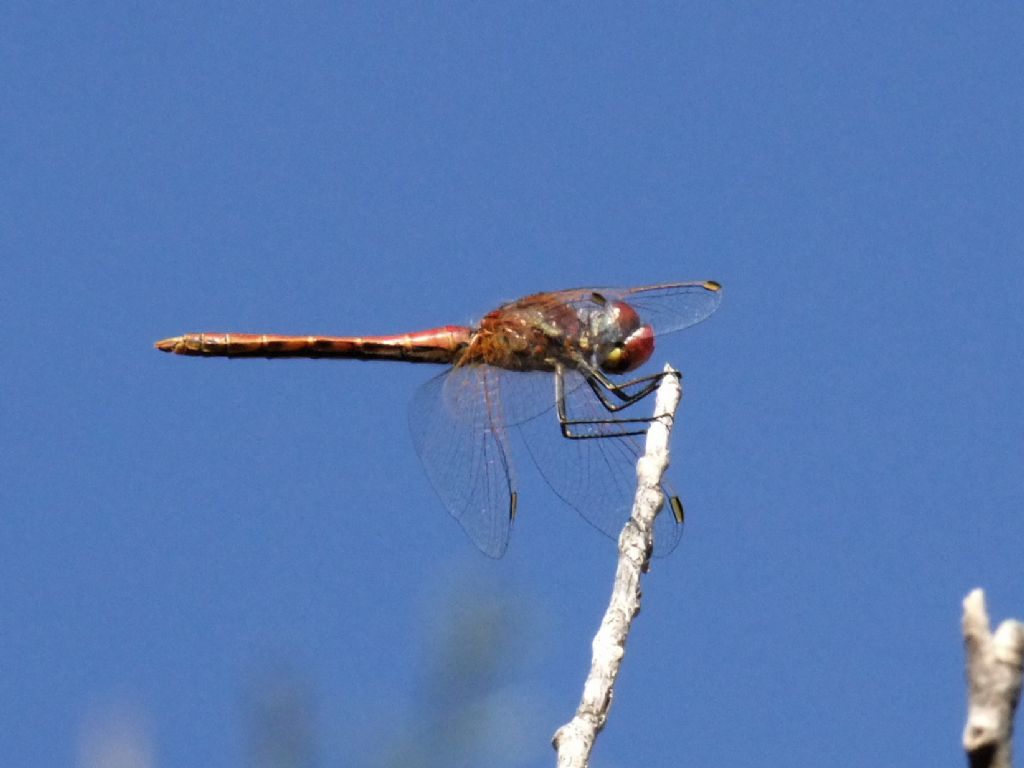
(205, 553)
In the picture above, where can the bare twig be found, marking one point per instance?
(994, 663)
(575, 739)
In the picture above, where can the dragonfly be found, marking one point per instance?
(548, 366)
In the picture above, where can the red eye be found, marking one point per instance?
(639, 347)
(625, 316)
(632, 353)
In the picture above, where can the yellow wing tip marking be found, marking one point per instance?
(711, 285)
(677, 509)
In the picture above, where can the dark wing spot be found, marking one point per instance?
(677, 509)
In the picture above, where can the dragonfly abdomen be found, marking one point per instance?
(437, 345)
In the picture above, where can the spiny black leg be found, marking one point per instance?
(602, 386)
(596, 377)
(618, 389)
(566, 424)
(601, 392)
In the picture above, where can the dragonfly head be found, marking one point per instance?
(627, 343)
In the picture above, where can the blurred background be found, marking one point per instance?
(214, 562)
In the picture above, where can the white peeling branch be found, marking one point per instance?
(575, 739)
(994, 663)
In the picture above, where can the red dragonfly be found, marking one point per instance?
(549, 351)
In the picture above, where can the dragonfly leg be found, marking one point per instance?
(598, 427)
(603, 386)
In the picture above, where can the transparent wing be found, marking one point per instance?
(458, 430)
(667, 308)
(597, 477)
(527, 394)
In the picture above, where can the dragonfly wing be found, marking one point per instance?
(597, 477)
(667, 308)
(526, 394)
(458, 429)
(672, 307)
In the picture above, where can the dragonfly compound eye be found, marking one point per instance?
(631, 353)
